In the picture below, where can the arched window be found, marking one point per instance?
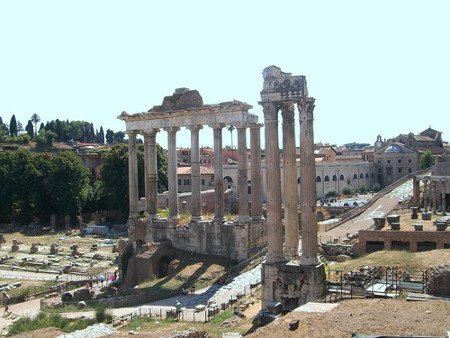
(327, 179)
(318, 179)
(355, 176)
(372, 175)
(367, 175)
(341, 177)
(361, 175)
(334, 178)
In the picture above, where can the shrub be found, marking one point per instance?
(101, 314)
(330, 193)
(348, 190)
(376, 187)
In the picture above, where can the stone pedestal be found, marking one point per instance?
(418, 227)
(426, 216)
(34, 249)
(292, 284)
(379, 222)
(395, 226)
(414, 214)
(393, 219)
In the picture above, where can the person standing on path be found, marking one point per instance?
(178, 309)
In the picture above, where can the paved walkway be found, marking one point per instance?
(382, 206)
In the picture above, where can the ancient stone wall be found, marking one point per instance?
(227, 240)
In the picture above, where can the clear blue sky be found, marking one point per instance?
(374, 67)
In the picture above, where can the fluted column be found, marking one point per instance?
(172, 172)
(219, 209)
(444, 202)
(196, 207)
(242, 175)
(291, 232)
(256, 173)
(133, 173)
(416, 192)
(308, 175)
(151, 173)
(273, 184)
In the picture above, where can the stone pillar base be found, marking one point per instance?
(292, 284)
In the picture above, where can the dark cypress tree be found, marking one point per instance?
(29, 128)
(109, 136)
(41, 126)
(13, 126)
(1, 121)
(101, 136)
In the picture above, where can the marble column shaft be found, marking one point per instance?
(434, 196)
(290, 183)
(219, 206)
(308, 188)
(256, 172)
(196, 207)
(133, 173)
(273, 184)
(242, 175)
(416, 192)
(443, 194)
(151, 170)
(172, 172)
(425, 195)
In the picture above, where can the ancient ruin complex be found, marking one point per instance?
(286, 279)
(234, 240)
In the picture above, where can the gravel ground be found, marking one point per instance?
(93, 331)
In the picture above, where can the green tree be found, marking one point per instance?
(109, 136)
(426, 160)
(29, 128)
(35, 119)
(68, 183)
(13, 126)
(348, 190)
(119, 137)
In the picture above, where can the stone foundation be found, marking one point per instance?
(229, 240)
(293, 284)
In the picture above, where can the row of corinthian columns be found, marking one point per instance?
(151, 174)
(308, 190)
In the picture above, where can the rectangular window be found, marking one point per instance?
(388, 171)
(186, 181)
(379, 161)
(410, 170)
(409, 161)
(388, 161)
(399, 161)
(399, 170)
(203, 181)
(379, 170)
(179, 181)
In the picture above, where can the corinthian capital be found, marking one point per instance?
(270, 111)
(287, 111)
(306, 108)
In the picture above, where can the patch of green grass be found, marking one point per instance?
(223, 316)
(406, 260)
(149, 324)
(68, 308)
(42, 320)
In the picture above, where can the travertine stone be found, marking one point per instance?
(172, 172)
(133, 173)
(218, 173)
(425, 195)
(195, 174)
(273, 184)
(242, 175)
(444, 205)
(256, 176)
(416, 192)
(290, 182)
(308, 189)
(151, 187)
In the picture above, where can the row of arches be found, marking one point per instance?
(341, 177)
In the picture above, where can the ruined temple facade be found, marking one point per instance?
(236, 240)
(287, 278)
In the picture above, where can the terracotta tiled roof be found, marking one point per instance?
(203, 170)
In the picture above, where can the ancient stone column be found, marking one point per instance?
(425, 195)
(151, 171)
(273, 184)
(416, 192)
(133, 173)
(444, 202)
(256, 172)
(291, 232)
(218, 173)
(172, 172)
(434, 196)
(308, 175)
(196, 205)
(242, 178)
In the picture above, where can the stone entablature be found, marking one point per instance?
(232, 112)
